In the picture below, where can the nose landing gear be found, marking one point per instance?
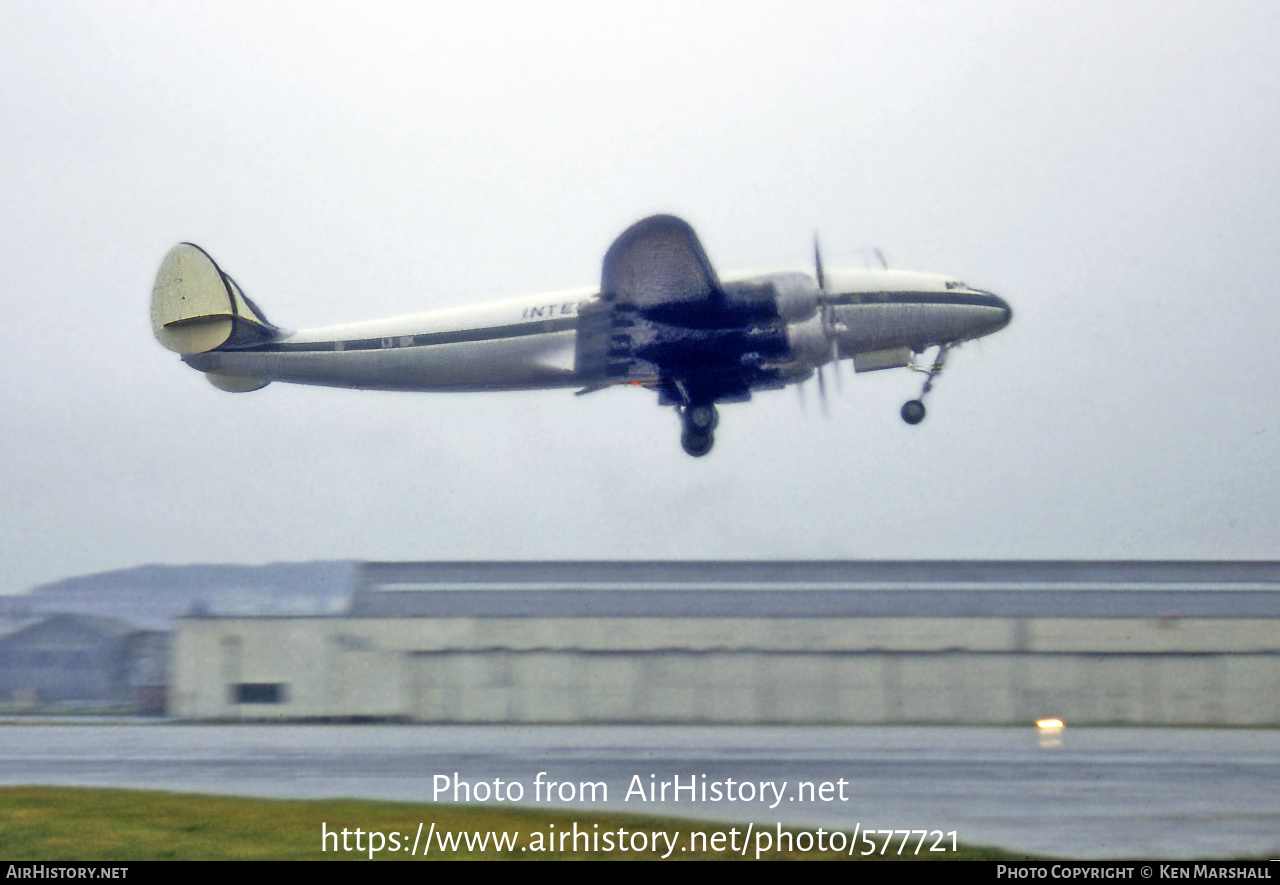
(913, 410)
(699, 424)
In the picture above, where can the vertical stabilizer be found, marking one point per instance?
(196, 308)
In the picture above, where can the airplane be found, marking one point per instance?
(661, 319)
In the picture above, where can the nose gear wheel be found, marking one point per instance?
(913, 411)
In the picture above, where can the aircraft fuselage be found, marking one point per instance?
(528, 343)
(661, 319)
(518, 344)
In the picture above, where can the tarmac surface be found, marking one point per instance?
(1083, 793)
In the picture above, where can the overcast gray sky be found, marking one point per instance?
(1111, 169)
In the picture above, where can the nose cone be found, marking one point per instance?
(996, 312)
(1006, 312)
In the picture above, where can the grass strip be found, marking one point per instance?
(62, 823)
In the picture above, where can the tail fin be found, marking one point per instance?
(195, 307)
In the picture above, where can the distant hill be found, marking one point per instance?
(153, 595)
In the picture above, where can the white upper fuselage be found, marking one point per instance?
(516, 344)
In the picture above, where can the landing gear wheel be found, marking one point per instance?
(698, 423)
(913, 411)
(701, 419)
(696, 444)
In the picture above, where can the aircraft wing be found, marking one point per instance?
(664, 320)
(657, 261)
(654, 269)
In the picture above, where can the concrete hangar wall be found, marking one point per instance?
(796, 642)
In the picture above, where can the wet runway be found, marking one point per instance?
(1095, 793)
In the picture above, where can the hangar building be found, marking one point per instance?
(81, 661)
(757, 642)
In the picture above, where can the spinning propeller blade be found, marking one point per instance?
(827, 320)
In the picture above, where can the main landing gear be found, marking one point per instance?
(913, 410)
(699, 423)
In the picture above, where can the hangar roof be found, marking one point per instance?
(818, 589)
(838, 572)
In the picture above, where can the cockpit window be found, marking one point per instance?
(956, 284)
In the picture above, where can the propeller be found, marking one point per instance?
(828, 323)
(828, 320)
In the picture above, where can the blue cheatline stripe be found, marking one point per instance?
(935, 298)
(426, 339)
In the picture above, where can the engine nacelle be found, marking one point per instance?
(790, 297)
(809, 342)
